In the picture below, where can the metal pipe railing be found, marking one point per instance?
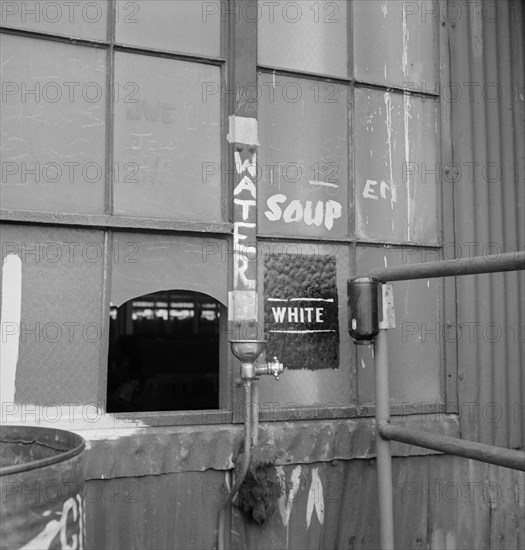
(383, 451)
(453, 446)
(510, 261)
(385, 431)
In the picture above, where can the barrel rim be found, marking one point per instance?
(62, 456)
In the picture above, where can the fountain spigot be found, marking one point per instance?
(273, 367)
(247, 351)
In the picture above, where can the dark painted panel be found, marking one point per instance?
(301, 310)
(53, 126)
(319, 386)
(303, 158)
(167, 139)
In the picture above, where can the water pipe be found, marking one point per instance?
(247, 351)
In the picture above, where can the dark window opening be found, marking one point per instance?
(164, 353)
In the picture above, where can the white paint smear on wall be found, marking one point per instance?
(10, 325)
(315, 499)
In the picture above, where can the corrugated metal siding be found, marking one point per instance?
(154, 512)
(439, 502)
(488, 128)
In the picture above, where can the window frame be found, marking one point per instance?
(234, 62)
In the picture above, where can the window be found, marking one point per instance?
(346, 141)
(136, 148)
(143, 154)
(164, 353)
(168, 168)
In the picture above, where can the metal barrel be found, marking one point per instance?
(41, 487)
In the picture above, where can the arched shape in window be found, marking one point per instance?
(164, 353)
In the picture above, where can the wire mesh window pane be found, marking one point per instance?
(303, 158)
(394, 43)
(59, 331)
(414, 346)
(80, 19)
(397, 175)
(167, 139)
(53, 126)
(188, 26)
(304, 36)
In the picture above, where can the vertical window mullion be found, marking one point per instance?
(243, 139)
(110, 98)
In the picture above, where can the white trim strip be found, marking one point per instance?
(300, 331)
(301, 300)
(311, 299)
(323, 183)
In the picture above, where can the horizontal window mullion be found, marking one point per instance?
(114, 222)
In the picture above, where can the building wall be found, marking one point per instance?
(154, 479)
(488, 132)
